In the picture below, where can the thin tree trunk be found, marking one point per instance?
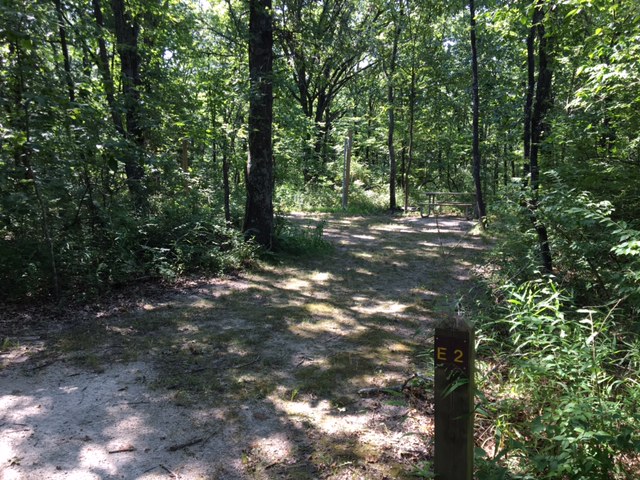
(392, 123)
(258, 221)
(127, 31)
(531, 86)
(477, 162)
(105, 70)
(538, 126)
(65, 51)
(346, 176)
(412, 109)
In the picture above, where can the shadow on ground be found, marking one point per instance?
(248, 377)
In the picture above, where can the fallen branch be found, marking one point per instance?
(44, 364)
(180, 446)
(173, 474)
(128, 448)
(370, 392)
(255, 360)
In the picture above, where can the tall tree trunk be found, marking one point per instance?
(393, 169)
(105, 70)
(412, 109)
(225, 182)
(538, 126)
(127, 30)
(477, 162)
(531, 88)
(65, 50)
(258, 220)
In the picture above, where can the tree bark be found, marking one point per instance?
(477, 162)
(541, 108)
(412, 109)
(258, 221)
(65, 51)
(105, 70)
(393, 168)
(127, 31)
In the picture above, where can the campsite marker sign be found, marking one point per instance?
(454, 359)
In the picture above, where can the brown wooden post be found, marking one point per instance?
(454, 357)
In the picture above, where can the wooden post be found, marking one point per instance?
(346, 177)
(454, 357)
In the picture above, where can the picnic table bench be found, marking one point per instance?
(434, 201)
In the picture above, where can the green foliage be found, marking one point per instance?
(569, 405)
(594, 253)
(298, 239)
(123, 248)
(326, 197)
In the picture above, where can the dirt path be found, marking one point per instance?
(253, 377)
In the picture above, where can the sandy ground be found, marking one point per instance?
(250, 377)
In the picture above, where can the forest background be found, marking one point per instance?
(124, 141)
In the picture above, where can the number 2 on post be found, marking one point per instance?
(459, 355)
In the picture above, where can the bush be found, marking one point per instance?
(119, 248)
(300, 239)
(569, 405)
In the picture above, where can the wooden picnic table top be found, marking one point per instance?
(448, 193)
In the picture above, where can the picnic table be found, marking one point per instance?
(434, 201)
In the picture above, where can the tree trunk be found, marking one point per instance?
(538, 126)
(528, 103)
(346, 176)
(127, 30)
(480, 207)
(105, 71)
(65, 51)
(393, 169)
(412, 109)
(258, 221)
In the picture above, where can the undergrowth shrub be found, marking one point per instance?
(326, 196)
(561, 353)
(596, 256)
(119, 247)
(300, 239)
(568, 397)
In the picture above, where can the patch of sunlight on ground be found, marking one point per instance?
(96, 457)
(364, 237)
(17, 409)
(392, 227)
(6, 452)
(295, 284)
(274, 448)
(362, 271)
(201, 303)
(362, 255)
(333, 326)
(397, 347)
(323, 415)
(321, 276)
(378, 307)
(321, 308)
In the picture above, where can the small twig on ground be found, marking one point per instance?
(255, 360)
(369, 392)
(173, 474)
(44, 364)
(127, 448)
(180, 446)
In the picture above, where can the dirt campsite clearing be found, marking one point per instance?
(253, 376)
